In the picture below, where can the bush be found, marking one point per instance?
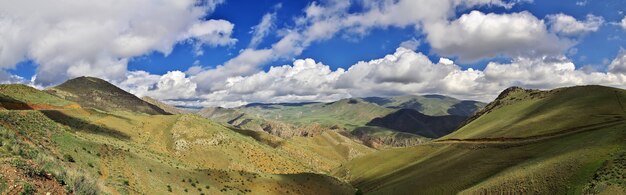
(27, 189)
(69, 158)
(169, 188)
(84, 186)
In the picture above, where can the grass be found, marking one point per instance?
(149, 159)
(560, 164)
(546, 112)
(23, 93)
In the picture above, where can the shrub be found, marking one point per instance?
(69, 158)
(27, 189)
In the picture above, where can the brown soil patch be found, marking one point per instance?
(15, 178)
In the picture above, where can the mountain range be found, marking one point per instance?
(87, 136)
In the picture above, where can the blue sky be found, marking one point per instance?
(151, 48)
(594, 49)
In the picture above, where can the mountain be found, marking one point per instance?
(432, 105)
(412, 121)
(163, 106)
(96, 93)
(566, 140)
(380, 120)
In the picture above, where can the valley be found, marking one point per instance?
(103, 140)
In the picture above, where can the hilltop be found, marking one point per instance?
(96, 93)
(567, 140)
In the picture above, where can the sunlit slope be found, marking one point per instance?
(578, 156)
(22, 97)
(122, 154)
(346, 113)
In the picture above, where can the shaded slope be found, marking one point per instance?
(433, 105)
(412, 121)
(573, 137)
(97, 93)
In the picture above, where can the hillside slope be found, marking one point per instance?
(22, 97)
(163, 106)
(96, 93)
(412, 121)
(568, 140)
(89, 151)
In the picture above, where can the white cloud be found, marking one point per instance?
(411, 44)
(71, 38)
(403, 72)
(476, 35)
(172, 85)
(569, 26)
(618, 65)
(623, 23)
(262, 29)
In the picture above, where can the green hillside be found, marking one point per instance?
(90, 151)
(521, 113)
(344, 114)
(96, 93)
(370, 116)
(22, 97)
(573, 142)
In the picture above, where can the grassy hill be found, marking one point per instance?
(568, 140)
(22, 97)
(96, 93)
(521, 113)
(91, 151)
(343, 114)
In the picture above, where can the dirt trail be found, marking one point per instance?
(534, 138)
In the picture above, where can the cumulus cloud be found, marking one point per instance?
(71, 38)
(618, 65)
(172, 85)
(569, 26)
(403, 72)
(476, 35)
(623, 23)
(411, 44)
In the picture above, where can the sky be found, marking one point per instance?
(201, 53)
